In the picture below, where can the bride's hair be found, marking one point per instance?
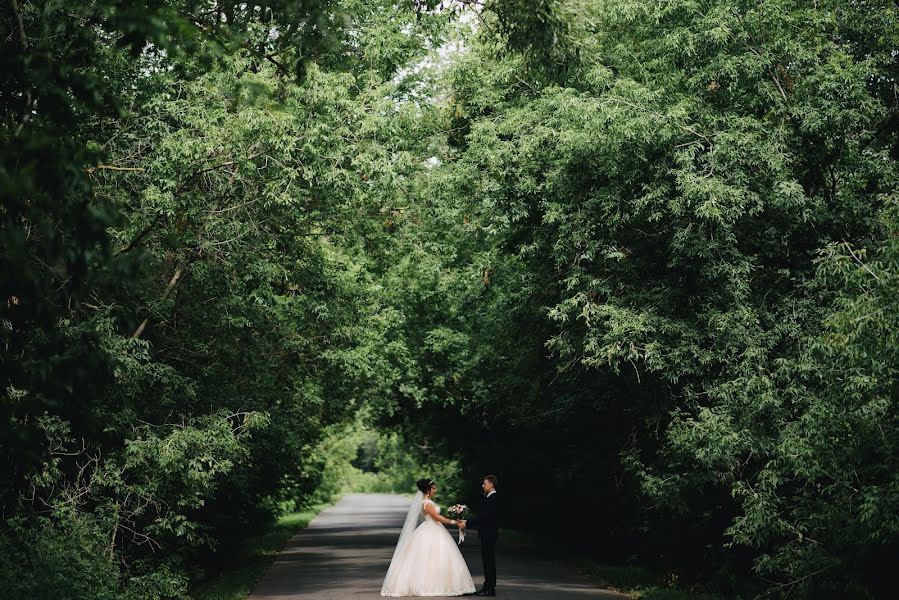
(425, 485)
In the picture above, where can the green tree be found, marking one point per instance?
(190, 193)
(629, 269)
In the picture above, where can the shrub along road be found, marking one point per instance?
(346, 550)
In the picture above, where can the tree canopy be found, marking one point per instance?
(640, 258)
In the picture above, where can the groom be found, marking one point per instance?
(487, 524)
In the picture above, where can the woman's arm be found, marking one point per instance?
(429, 508)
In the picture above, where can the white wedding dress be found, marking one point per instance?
(427, 561)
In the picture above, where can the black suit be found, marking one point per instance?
(487, 523)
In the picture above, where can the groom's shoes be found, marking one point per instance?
(486, 592)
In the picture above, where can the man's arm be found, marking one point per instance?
(493, 509)
(475, 521)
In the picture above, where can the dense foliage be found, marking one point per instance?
(639, 259)
(188, 189)
(657, 281)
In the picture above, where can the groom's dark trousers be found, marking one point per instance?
(488, 554)
(487, 523)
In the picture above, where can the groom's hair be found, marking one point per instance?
(492, 479)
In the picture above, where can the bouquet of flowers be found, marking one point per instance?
(459, 512)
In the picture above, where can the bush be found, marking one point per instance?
(359, 459)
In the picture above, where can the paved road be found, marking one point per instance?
(345, 551)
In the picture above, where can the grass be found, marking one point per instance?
(637, 582)
(633, 581)
(237, 579)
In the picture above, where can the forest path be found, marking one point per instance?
(345, 552)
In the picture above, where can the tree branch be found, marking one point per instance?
(183, 186)
(859, 261)
(90, 170)
(165, 294)
(23, 44)
(783, 94)
(140, 236)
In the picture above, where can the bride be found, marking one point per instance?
(426, 561)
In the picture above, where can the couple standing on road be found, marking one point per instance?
(427, 562)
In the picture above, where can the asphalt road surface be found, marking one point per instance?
(345, 552)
